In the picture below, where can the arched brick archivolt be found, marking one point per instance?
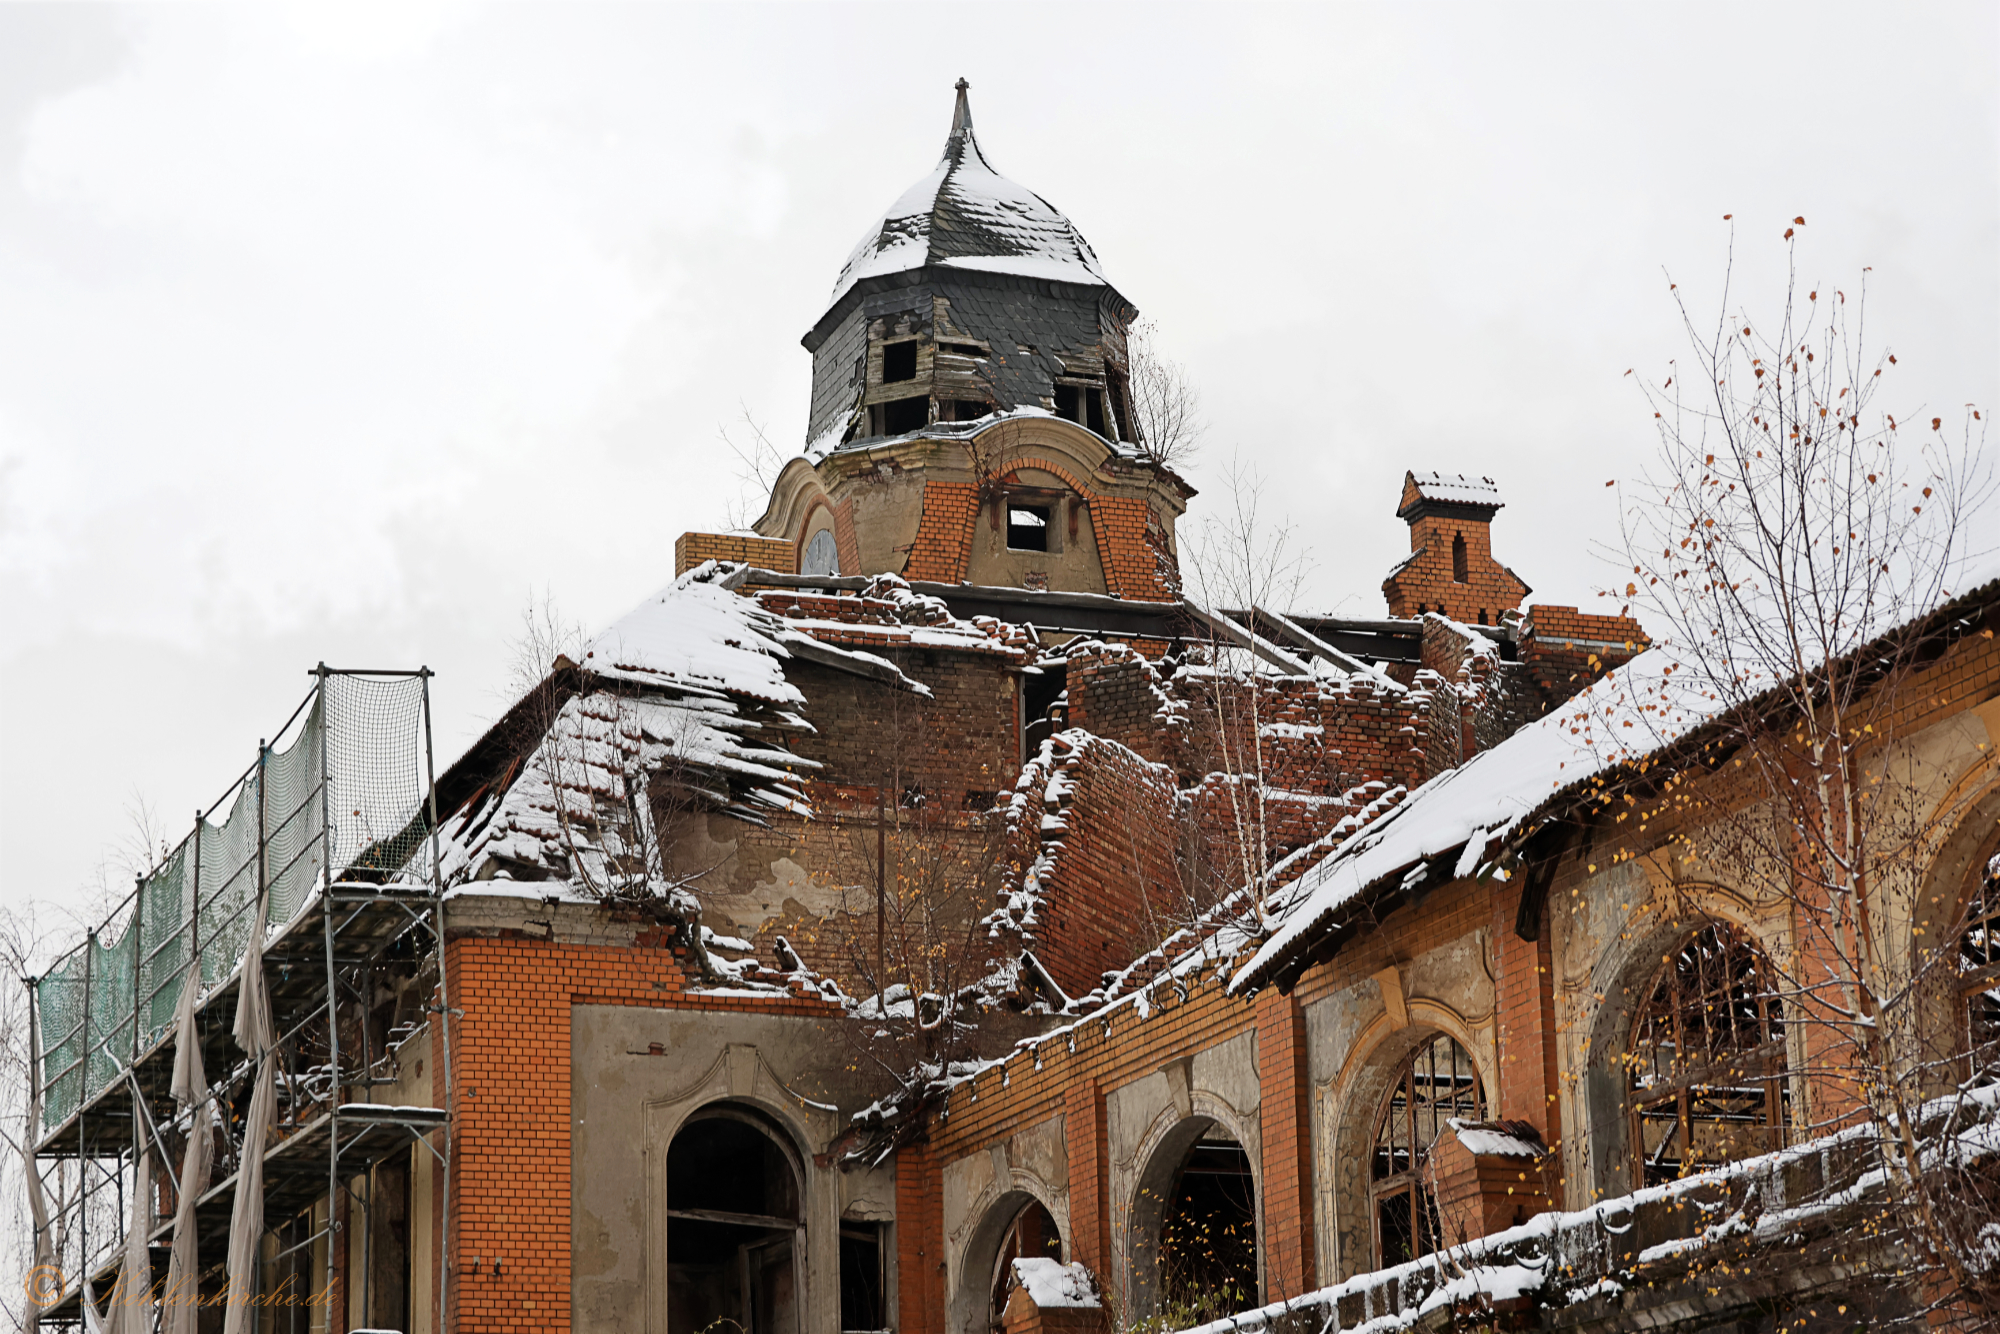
(1354, 1100)
(1952, 884)
(1601, 1105)
(997, 1210)
(1166, 1145)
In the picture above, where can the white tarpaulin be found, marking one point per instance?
(132, 1299)
(190, 1089)
(246, 1219)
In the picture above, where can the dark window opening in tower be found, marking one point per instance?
(1208, 1242)
(1458, 575)
(899, 362)
(962, 409)
(962, 350)
(905, 415)
(1482, 615)
(1120, 413)
(1093, 417)
(861, 1285)
(1027, 528)
(1068, 402)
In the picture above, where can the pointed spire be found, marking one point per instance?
(961, 125)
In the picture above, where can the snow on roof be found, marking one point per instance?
(1630, 712)
(1456, 488)
(966, 215)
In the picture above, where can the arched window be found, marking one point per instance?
(1458, 570)
(1979, 974)
(1437, 1083)
(735, 1228)
(822, 555)
(1707, 1060)
(1033, 1233)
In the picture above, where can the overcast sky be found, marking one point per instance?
(338, 334)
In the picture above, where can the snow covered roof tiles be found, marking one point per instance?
(964, 214)
(1447, 488)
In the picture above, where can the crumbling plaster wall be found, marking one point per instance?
(1356, 1031)
(1147, 1134)
(983, 1192)
(637, 1075)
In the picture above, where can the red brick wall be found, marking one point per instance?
(766, 553)
(944, 532)
(1426, 583)
(1284, 1078)
(919, 1242)
(1085, 1137)
(1565, 650)
(511, 1052)
(1525, 1015)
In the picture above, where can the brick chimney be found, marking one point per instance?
(1450, 568)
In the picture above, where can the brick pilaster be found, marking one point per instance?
(1525, 1008)
(1089, 1183)
(1286, 1240)
(919, 1243)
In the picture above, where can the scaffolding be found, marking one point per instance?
(332, 831)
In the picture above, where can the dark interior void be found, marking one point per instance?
(389, 1246)
(1082, 405)
(899, 361)
(1039, 694)
(1032, 1233)
(962, 409)
(1028, 527)
(733, 1228)
(1208, 1245)
(905, 415)
(863, 1299)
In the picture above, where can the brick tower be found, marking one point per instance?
(1450, 568)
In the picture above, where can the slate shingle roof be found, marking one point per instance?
(964, 214)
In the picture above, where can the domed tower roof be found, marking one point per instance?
(965, 215)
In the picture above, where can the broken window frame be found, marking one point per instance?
(1015, 1244)
(1404, 1185)
(1979, 978)
(901, 349)
(1719, 981)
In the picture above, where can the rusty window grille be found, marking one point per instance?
(1706, 1062)
(1436, 1083)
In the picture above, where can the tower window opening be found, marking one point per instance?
(962, 410)
(961, 350)
(1093, 410)
(1027, 528)
(905, 415)
(1458, 574)
(1069, 402)
(899, 361)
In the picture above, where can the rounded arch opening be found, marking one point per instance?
(1700, 1078)
(1434, 1085)
(1193, 1244)
(1014, 1224)
(1955, 951)
(735, 1225)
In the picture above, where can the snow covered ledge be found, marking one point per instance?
(1050, 1297)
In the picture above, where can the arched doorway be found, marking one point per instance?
(1031, 1233)
(735, 1226)
(1705, 1069)
(1435, 1084)
(1194, 1242)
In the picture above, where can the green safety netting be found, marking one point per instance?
(358, 758)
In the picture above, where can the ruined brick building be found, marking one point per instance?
(920, 883)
